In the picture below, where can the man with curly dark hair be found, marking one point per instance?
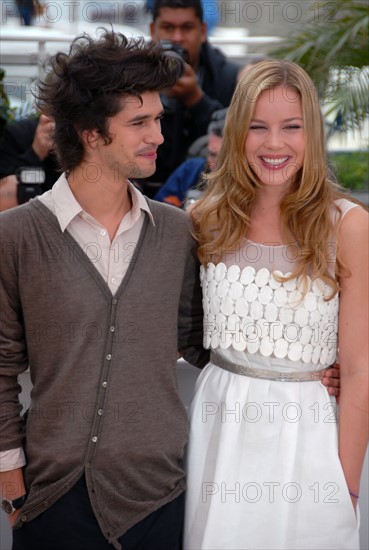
(99, 289)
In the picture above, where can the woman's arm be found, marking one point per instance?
(353, 346)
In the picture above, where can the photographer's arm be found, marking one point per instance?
(14, 154)
(25, 144)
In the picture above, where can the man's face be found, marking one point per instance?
(183, 27)
(136, 134)
(214, 146)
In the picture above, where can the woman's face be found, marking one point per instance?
(275, 141)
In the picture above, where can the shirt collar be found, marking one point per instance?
(67, 207)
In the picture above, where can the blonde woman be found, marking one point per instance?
(285, 284)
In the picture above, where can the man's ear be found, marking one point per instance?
(89, 137)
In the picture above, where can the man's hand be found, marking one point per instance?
(8, 192)
(12, 487)
(186, 89)
(13, 518)
(332, 380)
(43, 142)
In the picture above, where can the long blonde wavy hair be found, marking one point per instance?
(222, 217)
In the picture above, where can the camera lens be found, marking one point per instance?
(176, 51)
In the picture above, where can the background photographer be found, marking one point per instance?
(26, 143)
(206, 85)
(189, 175)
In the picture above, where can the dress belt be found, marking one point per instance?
(307, 376)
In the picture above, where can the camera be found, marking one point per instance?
(192, 196)
(175, 50)
(171, 48)
(30, 183)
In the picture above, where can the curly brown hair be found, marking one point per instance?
(86, 86)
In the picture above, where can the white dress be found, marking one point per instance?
(263, 466)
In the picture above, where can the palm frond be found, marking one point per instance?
(335, 53)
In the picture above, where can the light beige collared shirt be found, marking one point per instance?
(111, 258)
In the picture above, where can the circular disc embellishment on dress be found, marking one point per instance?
(239, 342)
(295, 299)
(266, 347)
(265, 295)
(317, 287)
(295, 351)
(310, 302)
(316, 355)
(262, 277)
(267, 317)
(223, 288)
(227, 306)
(302, 317)
(236, 290)
(220, 271)
(233, 323)
(277, 330)
(271, 312)
(234, 273)
(262, 328)
(215, 305)
(251, 292)
(307, 353)
(242, 307)
(322, 305)
(220, 319)
(210, 270)
(212, 288)
(332, 356)
(256, 310)
(314, 318)
(305, 335)
(247, 275)
(281, 348)
(324, 355)
(291, 284)
(252, 346)
(226, 340)
(215, 340)
(280, 297)
(285, 315)
(206, 306)
(273, 283)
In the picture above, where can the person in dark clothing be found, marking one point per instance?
(26, 11)
(189, 174)
(28, 143)
(207, 84)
